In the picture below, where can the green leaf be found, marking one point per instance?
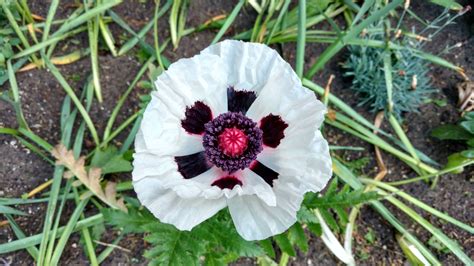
(440, 102)
(450, 4)
(469, 116)
(370, 236)
(471, 142)
(267, 246)
(451, 132)
(315, 7)
(284, 244)
(468, 153)
(437, 245)
(221, 233)
(297, 237)
(131, 222)
(344, 200)
(171, 246)
(213, 259)
(455, 160)
(468, 125)
(111, 161)
(329, 218)
(412, 253)
(305, 215)
(315, 228)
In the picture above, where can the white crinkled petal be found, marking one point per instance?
(255, 185)
(164, 171)
(255, 220)
(304, 157)
(303, 153)
(249, 64)
(167, 206)
(200, 78)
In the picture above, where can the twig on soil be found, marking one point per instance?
(327, 89)
(3, 223)
(39, 188)
(113, 245)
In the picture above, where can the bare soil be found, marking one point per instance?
(42, 96)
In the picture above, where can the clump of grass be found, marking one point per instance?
(411, 83)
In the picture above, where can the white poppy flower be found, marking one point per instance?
(232, 126)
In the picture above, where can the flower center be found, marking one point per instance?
(232, 141)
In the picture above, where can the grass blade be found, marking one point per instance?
(352, 33)
(137, 37)
(74, 98)
(448, 242)
(49, 19)
(107, 35)
(36, 239)
(349, 178)
(173, 22)
(68, 229)
(228, 21)
(93, 34)
(16, 96)
(419, 204)
(86, 16)
(275, 27)
(122, 99)
(10, 210)
(20, 235)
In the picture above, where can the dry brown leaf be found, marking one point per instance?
(378, 154)
(331, 115)
(90, 179)
(466, 96)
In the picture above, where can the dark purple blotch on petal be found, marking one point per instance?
(239, 101)
(192, 165)
(195, 118)
(264, 172)
(273, 128)
(227, 182)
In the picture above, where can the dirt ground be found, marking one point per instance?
(21, 170)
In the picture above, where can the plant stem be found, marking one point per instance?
(300, 43)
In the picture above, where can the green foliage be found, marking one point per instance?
(110, 160)
(342, 199)
(171, 246)
(7, 40)
(370, 236)
(332, 204)
(215, 240)
(357, 165)
(437, 245)
(283, 242)
(463, 131)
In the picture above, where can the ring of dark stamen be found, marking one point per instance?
(192, 165)
(273, 128)
(214, 152)
(239, 101)
(196, 117)
(227, 182)
(267, 174)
